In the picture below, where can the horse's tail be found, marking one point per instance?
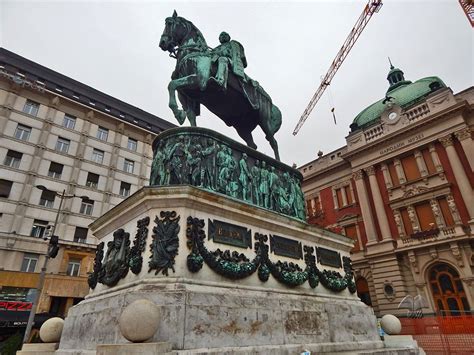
(275, 119)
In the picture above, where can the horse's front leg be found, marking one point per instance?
(180, 115)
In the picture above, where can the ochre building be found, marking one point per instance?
(402, 189)
(59, 135)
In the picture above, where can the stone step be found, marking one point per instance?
(134, 348)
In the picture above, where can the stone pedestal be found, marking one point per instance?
(138, 348)
(38, 349)
(228, 277)
(402, 341)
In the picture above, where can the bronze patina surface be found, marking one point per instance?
(215, 78)
(207, 159)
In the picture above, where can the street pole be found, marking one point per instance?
(39, 288)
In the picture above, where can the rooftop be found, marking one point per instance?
(34, 75)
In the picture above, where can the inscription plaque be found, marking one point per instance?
(328, 257)
(230, 234)
(285, 247)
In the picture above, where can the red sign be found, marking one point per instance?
(14, 306)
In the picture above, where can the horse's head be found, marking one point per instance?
(175, 31)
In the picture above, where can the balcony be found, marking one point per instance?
(432, 236)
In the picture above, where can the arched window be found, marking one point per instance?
(448, 291)
(363, 291)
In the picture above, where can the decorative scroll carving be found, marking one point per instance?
(370, 170)
(463, 134)
(165, 245)
(357, 175)
(99, 255)
(115, 266)
(139, 245)
(456, 253)
(453, 209)
(413, 260)
(399, 223)
(415, 190)
(447, 141)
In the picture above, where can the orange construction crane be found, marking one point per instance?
(371, 7)
(468, 7)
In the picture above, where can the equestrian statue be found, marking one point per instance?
(215, 78)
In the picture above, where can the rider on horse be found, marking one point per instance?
(229, 53)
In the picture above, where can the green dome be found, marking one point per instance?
(401, 92)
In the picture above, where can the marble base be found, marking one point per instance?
(137, 348)
(207, 312)
(38, 348)
(198, 315)
(398, 341)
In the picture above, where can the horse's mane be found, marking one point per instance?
(193, 29)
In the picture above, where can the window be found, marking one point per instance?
(47, 198)
(5, 188)
(102, 133)
(410, 168)
(87, 206)
(340, 202)
(363, 291)
(128, 166)
(55, 170)
(39, 228)
(393, 174)
(22, 132)
(12, 159)
(425, 216)
(316, 207)
(428, 161)
(344, 196)
(124, 189)
(29, 262)
(92, 180)
(80, 235)
(406, 221)
(132, 144)
(98, 156)
(62, 145)
(445, 210)
(347, 191)
(69, 121)
(31, 107)
(448, 290)
(73, 267)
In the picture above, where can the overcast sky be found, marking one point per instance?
(113, 47)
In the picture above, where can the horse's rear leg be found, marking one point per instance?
(247, 137)
(274, 145)
(269, 132)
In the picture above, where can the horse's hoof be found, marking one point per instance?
(181, 117)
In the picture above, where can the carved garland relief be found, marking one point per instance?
(119, 257)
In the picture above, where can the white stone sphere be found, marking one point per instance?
(391, 324)
(139, 321)
(50, 331)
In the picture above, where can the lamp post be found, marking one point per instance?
(52, 252)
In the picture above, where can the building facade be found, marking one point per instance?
(60, 137)
(402, 189)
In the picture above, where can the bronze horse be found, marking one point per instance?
(243, 104)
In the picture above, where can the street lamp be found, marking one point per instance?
(53, 249)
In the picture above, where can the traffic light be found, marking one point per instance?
(53, 247)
